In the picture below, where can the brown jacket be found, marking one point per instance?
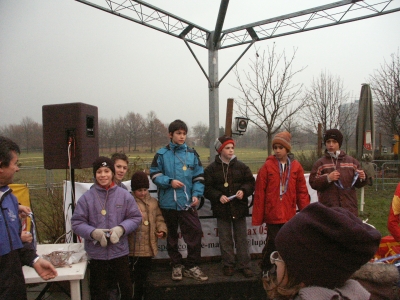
(143, 241)
(329, 193)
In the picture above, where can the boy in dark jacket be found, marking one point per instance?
(336, 175)
(228, 184)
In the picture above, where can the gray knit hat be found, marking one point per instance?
(222, 141)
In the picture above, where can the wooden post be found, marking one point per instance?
(229, 114)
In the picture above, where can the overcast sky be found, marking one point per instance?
(62, 51)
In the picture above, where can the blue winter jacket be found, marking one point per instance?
(10, 224)
(168, 164)
(121, 210)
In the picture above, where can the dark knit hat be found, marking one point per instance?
(103, 161)
(283, 138)
(324, 246)
(222, 141)
(139, 180)
(334, 134)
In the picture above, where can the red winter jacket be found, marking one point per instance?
(268, 207)
(393, 220)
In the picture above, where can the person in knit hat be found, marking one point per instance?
(104, 216)
(283, 138)
(143, 241)
(222, 141)
(280, 188)
(228, 184)
(318, 251)
(336, 175)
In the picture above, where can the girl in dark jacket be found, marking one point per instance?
(228, 184)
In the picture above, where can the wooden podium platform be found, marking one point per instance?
(218, 286)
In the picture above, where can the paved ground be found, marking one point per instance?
(54, 292)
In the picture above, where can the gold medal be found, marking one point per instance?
(103, 212)
(226, 184)
(184, 168)
(146, 222)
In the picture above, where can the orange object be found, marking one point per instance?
(387, 247)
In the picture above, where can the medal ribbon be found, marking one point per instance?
(187, 206)
(183, 162)
(339, 184)
(282, 174)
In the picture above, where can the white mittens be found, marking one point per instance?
(116, 233)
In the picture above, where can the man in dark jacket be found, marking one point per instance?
(228, 184)
(12, 252)
(336, 175)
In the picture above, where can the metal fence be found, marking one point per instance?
(387, 174)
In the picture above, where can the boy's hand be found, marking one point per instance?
(176, 184)
(361, 174)
(24, 210)
(333, 176)
(160, 234)
(195, 201)
(26, 236)
(239, 194)
(45, 269)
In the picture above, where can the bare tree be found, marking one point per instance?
(118, 133)
(136, 129)
(385, 84)
(200, 133)
(268, 94)
(105, 134)
(155, 131)
(348, 122)
(324, 99)
(27, 124)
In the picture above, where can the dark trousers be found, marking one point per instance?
(12, 281)
(228, 243)
(114, 270)
(272, 231)
(190, 225)
(140, 268)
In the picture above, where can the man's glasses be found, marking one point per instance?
(275, 257)
(270, 280)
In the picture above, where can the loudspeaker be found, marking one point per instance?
(70, 128)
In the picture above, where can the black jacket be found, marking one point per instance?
(239, 177)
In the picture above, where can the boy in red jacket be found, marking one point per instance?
(280, 187)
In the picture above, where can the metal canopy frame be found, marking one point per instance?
(332, 14)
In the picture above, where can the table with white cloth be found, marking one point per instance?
(73, 273)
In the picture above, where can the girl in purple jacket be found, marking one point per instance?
(104, 216)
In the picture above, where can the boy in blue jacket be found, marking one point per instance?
(177, 171)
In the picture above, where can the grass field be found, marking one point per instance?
(376, 209)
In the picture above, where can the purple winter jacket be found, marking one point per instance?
(121, 210)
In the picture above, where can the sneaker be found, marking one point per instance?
(247, 272)
(228, 271)
(177, 272)
(195, 273)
